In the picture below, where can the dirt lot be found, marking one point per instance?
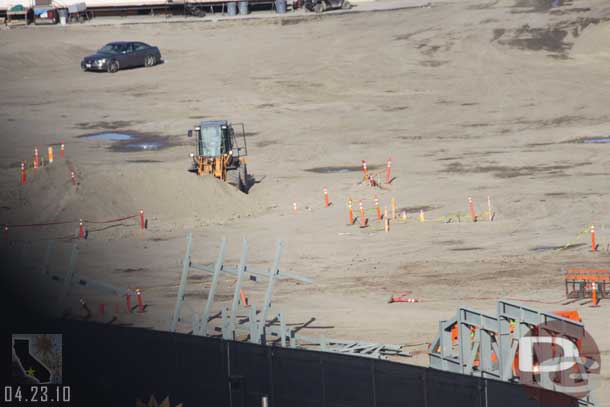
(472, 99)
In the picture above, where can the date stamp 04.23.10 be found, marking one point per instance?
(36, 373)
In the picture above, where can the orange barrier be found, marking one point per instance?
(593, 245)
(351, 212)
(36, 158)
(23, 176)
(326, 197)
(388, 170)
(587, 283)
(362, 218)
(473, 215)
(377, 208)
(61, 150)
(50, 153)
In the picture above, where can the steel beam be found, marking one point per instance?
(203, 324)
(236, 292)
(186, 263)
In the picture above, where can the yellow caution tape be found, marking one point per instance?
(585, 230)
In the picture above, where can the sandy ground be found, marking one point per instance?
(469, 99)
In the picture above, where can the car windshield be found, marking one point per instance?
(113, 48)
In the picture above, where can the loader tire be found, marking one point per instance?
(243, 178)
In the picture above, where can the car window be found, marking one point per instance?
(129, 48)
(139, 46)
(111, 48)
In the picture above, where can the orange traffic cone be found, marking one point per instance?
(473, 215)
(388, 170)
(351, 212)
(365, 170)
(377, 208)
(23, 176)
(362, 217)
(50, 153)
(36, 158)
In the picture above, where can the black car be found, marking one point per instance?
(118, 55)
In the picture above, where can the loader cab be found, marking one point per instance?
(218, 138)
(220, 151)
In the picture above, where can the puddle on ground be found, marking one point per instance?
(108, 136)
(552, 248)
(340, 169)
(130, 141)
(596, 140)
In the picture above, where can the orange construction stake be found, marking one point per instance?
(393, 208)
(593, 245)
(81, 230)
(422, 217)
(242, 297)
(61, 150)
(473, 215)
(294, 206)
(50, 153)
(365, 170)
(594, 294)
(362, 218)
(489, 208)
(23, 176)
(139, 297)
(386, 220)
(377, 208)
(36, 158)
(326, 197)
(351, 212)
(73, 176)
(388, 170)
(142, 220)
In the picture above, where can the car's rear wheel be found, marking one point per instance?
(113, 66)
(149, 61)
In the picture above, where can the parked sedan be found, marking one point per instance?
(118, 55)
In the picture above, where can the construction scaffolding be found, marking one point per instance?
(477, 344)
(241, 323)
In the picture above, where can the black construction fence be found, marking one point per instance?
(110, 365)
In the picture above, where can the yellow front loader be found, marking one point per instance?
(221, 153)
